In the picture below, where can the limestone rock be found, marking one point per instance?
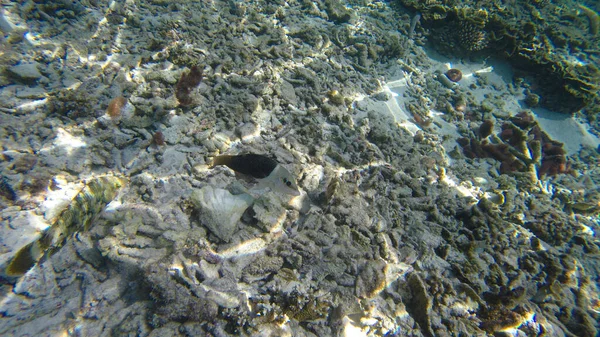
(26, 71)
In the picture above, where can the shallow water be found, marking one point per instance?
(427, 206)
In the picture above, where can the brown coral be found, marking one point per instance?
(554, 159)
(523, 120)
(520, 144)
(486, 128)
(158, 138)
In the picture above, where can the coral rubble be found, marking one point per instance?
(394, 233)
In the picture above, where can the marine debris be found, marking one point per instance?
(454, 75)
(220, 210)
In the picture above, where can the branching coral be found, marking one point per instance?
(471, 37)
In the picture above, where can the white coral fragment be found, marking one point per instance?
(220, 210)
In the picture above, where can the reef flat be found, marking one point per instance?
(440, 195)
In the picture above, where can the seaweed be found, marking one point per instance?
(115, 107)
(187, 82)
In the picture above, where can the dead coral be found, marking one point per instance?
(6, 190)
(36, 184)
(552, 227)
(25, 163)
(520, 146)
(173, 301)
(593, 18)
(498, 317)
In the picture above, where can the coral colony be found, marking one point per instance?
(520, 144)
(115, 107)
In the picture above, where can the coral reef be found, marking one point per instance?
(546, 40)
(471, 37)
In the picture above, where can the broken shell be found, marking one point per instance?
(220, 210)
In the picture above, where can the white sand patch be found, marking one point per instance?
(566, 129)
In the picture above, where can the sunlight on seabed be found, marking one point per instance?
(30, 106)
(65, 140)
(255, 245)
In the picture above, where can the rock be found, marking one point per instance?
(26, 71)
(288, 93)
(247, 132)
(5, 25)
(30, 93)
